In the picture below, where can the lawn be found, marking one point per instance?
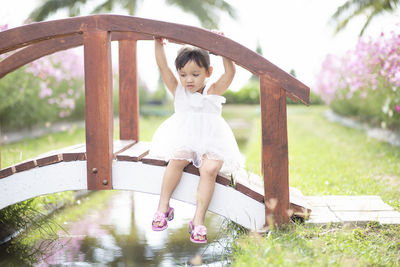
(327, 158)
(324, 158)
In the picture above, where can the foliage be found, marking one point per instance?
(23, 214)
(365, 82)
(315, 99)
(250, 94)
(205, 11)
(51, 89)
(32, 214)
(369, 8)
(160, 96)
(42, 91)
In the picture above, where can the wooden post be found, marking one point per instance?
(274, 151)
(99, 109)
(128, 91)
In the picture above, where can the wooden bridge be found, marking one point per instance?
(102, 163)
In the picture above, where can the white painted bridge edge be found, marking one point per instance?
(135, 176)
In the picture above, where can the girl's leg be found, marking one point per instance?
(172, 176)
(208, 173)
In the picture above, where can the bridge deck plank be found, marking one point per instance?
(134, 153)
(153, 161)
(7, 171)
(120, 146)
(26, 165)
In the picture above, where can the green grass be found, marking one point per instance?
(31, 147)
(321, 246)
(327, 158)
(244, 112)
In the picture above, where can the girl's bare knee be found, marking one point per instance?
(210, 170)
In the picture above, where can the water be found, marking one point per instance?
(118, 232)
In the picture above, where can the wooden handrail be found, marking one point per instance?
(217, 44)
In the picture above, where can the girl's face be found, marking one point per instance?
(193, 77)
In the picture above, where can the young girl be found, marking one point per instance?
(195, 133)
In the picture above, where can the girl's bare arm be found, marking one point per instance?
(220, 86)
(166, 73)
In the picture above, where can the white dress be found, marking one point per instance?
(197, 129)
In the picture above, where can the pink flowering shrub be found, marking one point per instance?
(42, 91)
(365, 82)
(60, 80)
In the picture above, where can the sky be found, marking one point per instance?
(293, 34)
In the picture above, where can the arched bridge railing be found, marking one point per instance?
(96, 32)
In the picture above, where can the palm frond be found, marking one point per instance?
(106, 6)
(369, 18)
(223, 6)
(51, 6)
(205, 11)
(342, 9)
(342, 22)
(130, 6)
(354, 8)
(390, 5)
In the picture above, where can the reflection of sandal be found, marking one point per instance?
(160, 217)
(197, 231)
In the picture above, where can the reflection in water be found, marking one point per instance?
(19, 251)
(119, 234)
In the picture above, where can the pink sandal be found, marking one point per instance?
(162, 217)
(197, 231)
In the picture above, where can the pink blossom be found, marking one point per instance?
(3, 27)
(397, 108)
(54, 72)
(373, 64)
(68, 103)
(44, 90)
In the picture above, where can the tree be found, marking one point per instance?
(369, 8)
(204, 10)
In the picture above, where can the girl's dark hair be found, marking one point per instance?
(188, 53)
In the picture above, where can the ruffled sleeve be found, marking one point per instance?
(216, 100)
